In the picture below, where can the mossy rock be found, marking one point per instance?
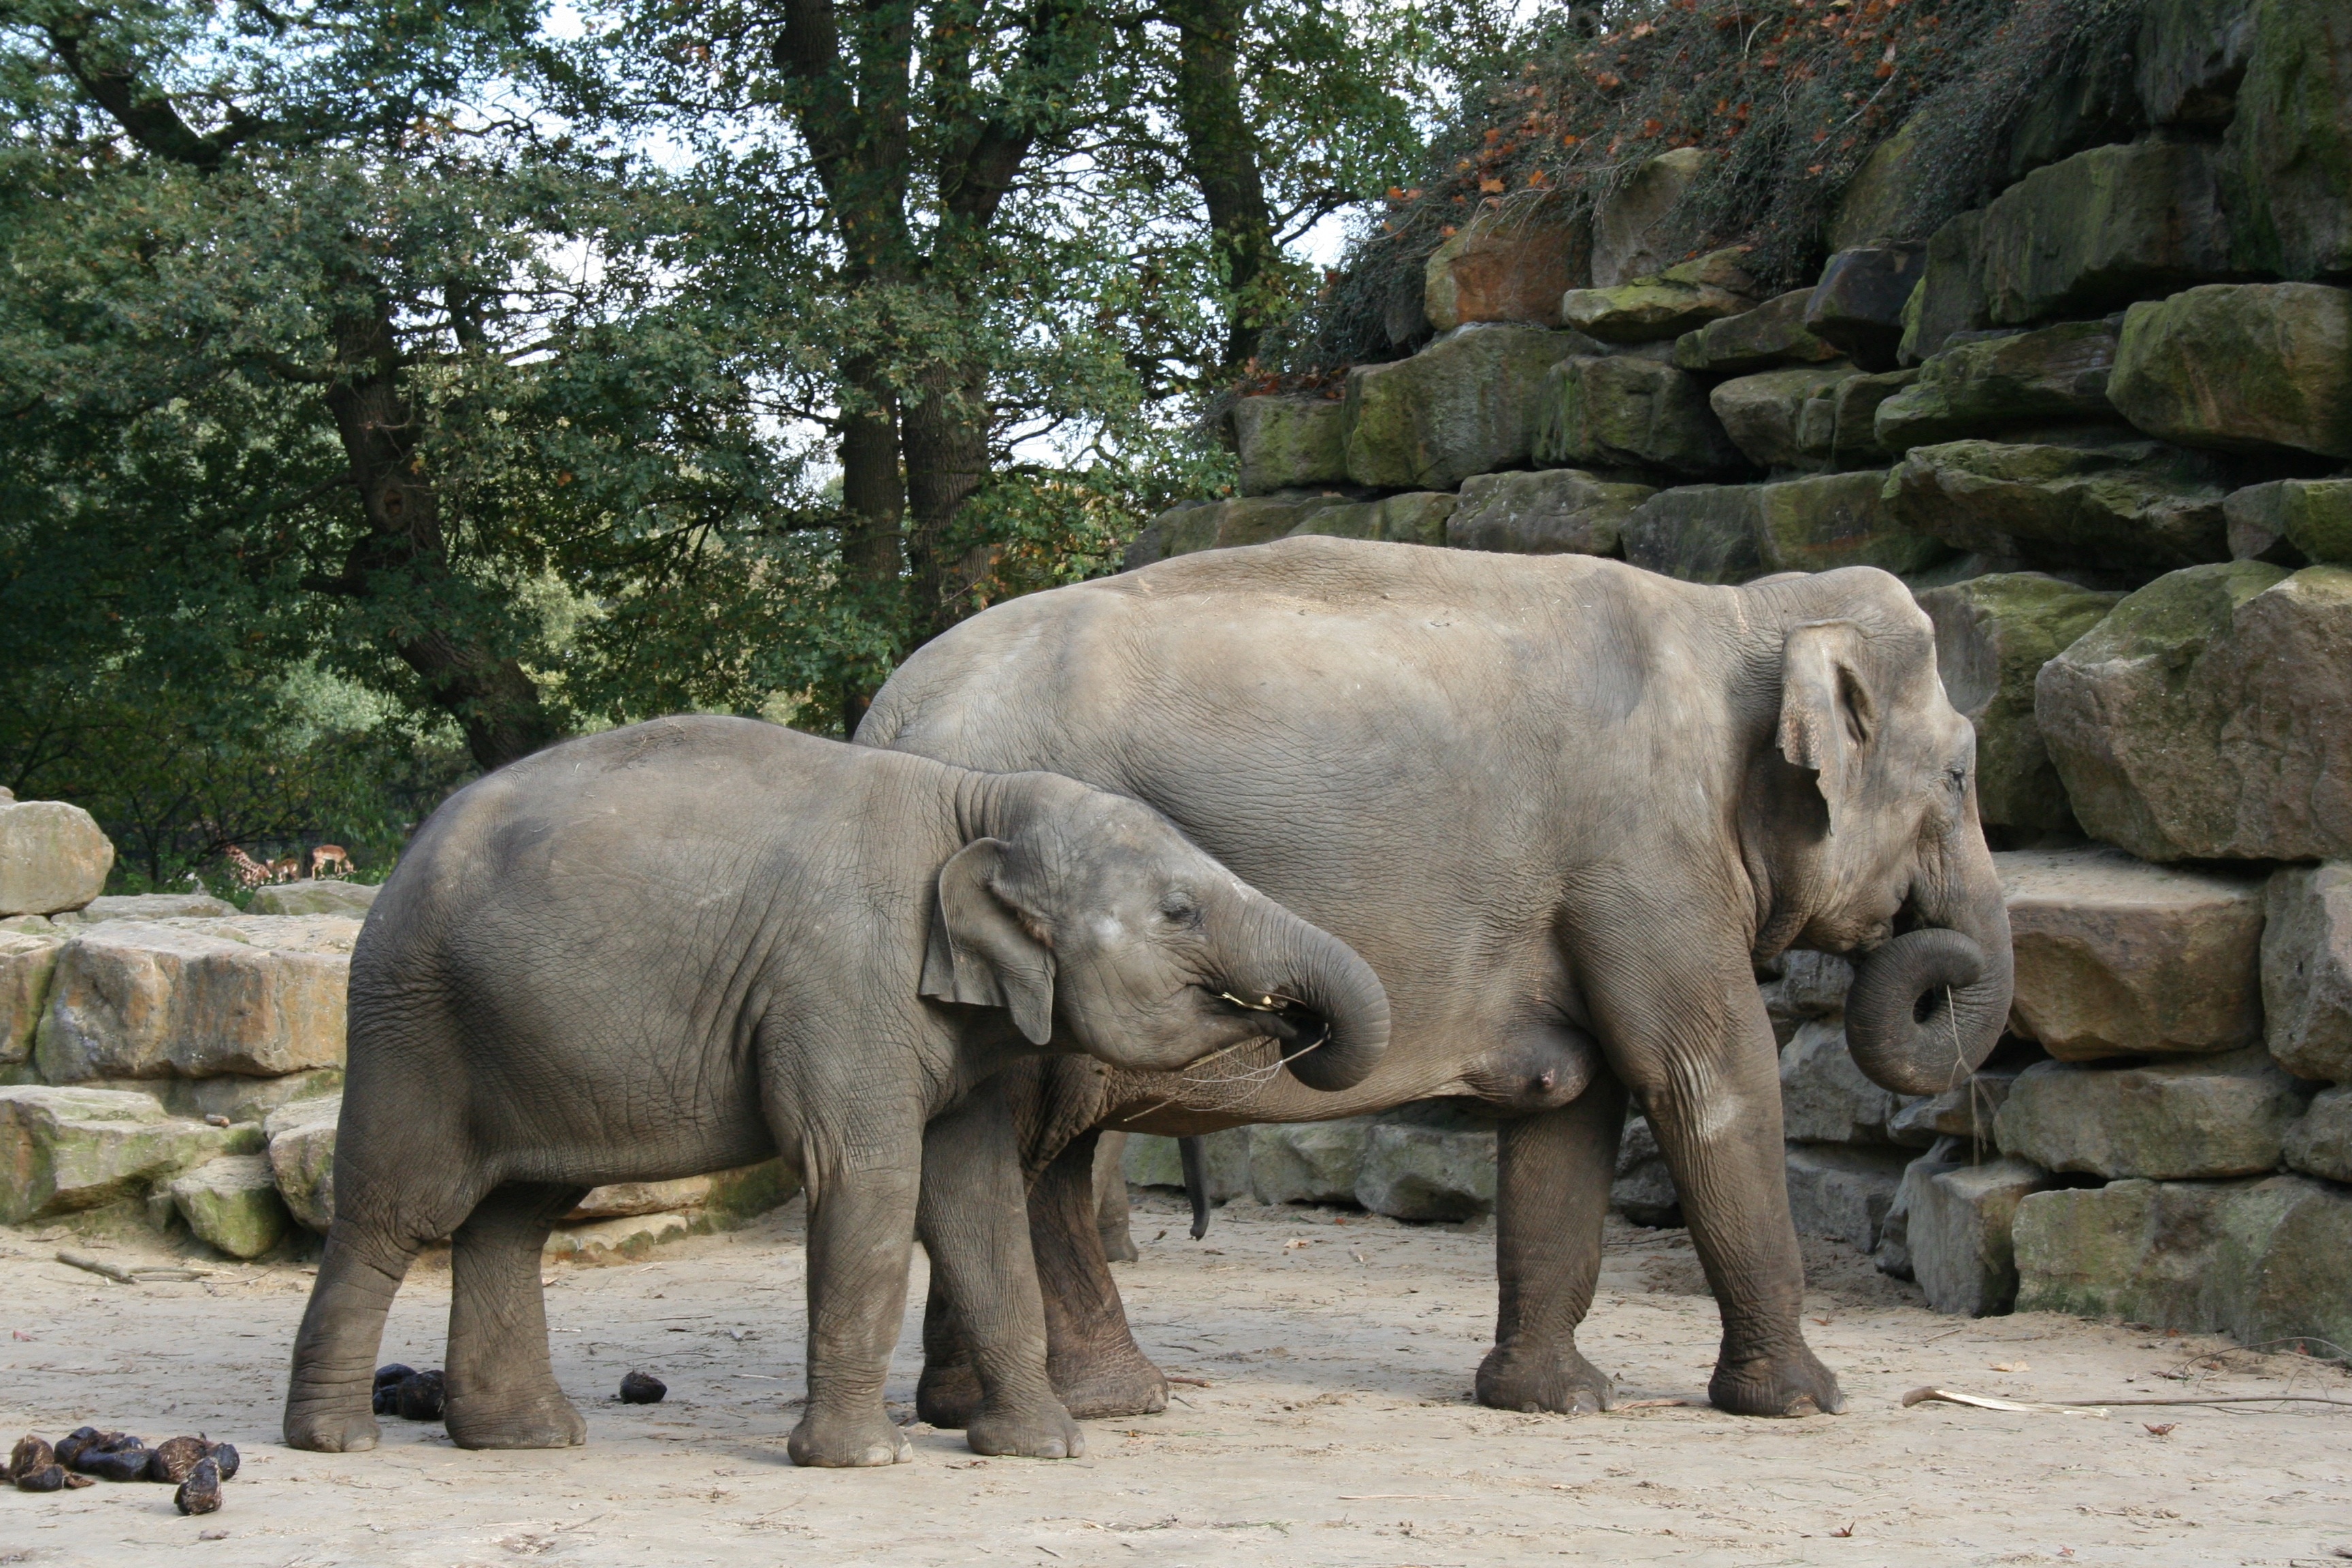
(1829, 520)
(1624, 411)
(2245, 367)
(1978, 389)
(2122, 505)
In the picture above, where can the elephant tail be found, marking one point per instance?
(1194, 1154)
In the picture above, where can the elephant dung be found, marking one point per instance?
(1993, 635)
(1412, 1171)
(27, 960)
(2103, 229)
(328, 896)
(2263, 1260)
(68, 1148)
(2307, 971)
(2122, 505)
(2320, 1144)
(1289, 442)
(1552, 511)
(2241, 367)
(1644, 1190)
(232, 1204)
(1978, 389)
(1155, 1161)
(1627, 411)
(1763, 413)
(2286, 157)
(1829, 520)
(1842, 1192)
(1700, 533)
(2222, 1116)
(256, 996)
(1306, 1162)
(53, 856)
(1771, 334)
(1666, 304)
(2291, 522)
(1511, 262)
(302, 1157)
(2209, 716)
(1825, 1098)
(2116, 957)
(1958, 1231)
(1466, 405)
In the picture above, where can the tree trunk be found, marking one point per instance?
(874, 494)
(945, 438)
(1221, 155)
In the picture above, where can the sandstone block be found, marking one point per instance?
(1850, 409)
(27, 962)
(2191, 56)
(232, 1204)
(1679, 300)
(623, 1199)
(2101, 228)
(1825, 1098)
(2286, 160)
(2209, 716)
(1634, 233)
(327, 897)
(1966, 1112)
(1627, 411)
(2320, 1144)
(63, 1150)
(137, 1000)
(1842, 1191)
(301, 1147)
(1417, 517)
(2310, 518)
(625, 1240)
(2121, 506)
(1287, 442)
(1770, 335)
(1857, 306)
(1828, 521)
(1700, 533)
(1155, 1161)
(1982, 387)
(2116, 957)
(1427, 1172)
(1763, 413)
(1993, 635)
(1645, 1191)
(1951, 294)
(52, 856)
(1552, 511)
(1508, 263)
(2240, 366)
(1466, 405)
(151, 906)
(1306, 1162)
(2261, 1260)
(2307, 971)
(1958, 1231)
(2222, 1116)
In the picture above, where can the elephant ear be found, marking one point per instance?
(981, 953)
(1827, 714)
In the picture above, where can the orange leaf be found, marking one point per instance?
(1491, 186)
(1569, 140)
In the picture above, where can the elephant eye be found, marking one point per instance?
(1179, 908)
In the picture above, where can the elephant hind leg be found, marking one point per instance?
(1096, 1367)
(501, 1391)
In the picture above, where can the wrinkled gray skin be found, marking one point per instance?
(698, 942)
(1563, 806)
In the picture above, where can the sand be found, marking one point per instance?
(1324, 1419)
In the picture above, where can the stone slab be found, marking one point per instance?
(1959, 1234)
(1466, 405)
(1307, 1161)
(1842, 1192)
(1427, 1172)
(2241, 367)
(2320, 1142)
(2221, 1116)
(1289, 442)
(1551, 511)
(64, 1150)
(2306, 967)
(232, 1204)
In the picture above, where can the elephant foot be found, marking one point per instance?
(1119, 1245)
(545, 1420)
(829, 1440)
(325, 1428)
(1104, 1385)
(1786, 1383)
(1034, 1431)
(948, 1396)
(1560, 1381)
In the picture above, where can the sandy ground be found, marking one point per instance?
(1325, 1420)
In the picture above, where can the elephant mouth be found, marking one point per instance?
(1299, 1027)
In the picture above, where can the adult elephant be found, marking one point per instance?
(1563, 806)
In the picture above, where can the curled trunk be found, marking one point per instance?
(1926, 1008)
(1337, 1024)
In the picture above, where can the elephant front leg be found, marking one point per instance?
(861, 1242)
(501, 1390)
(1552, 1185)
(974, 1222)
(1096, 1367)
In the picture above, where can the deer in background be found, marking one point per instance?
(286, 868)
(248, 871)
(330, 857)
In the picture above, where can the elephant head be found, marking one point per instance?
(1101, 928)
(1863, 825)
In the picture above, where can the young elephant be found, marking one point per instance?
(696, 943)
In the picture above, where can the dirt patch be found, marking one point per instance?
(1325, 1420)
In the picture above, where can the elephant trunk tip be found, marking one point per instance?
(1925, 1009)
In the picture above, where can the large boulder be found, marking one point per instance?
(1700, 533)
(2125, 506)
(1825, 1098)
(1306, 1162)
(27, 960)
(253, 996)
(327, 896)
(2190, 57)
(64, 1150)
(1416, 517)
(2307, 971)
(1841, 421)
(301, 1146)
(232, 1204)
(2320, 1144)
(2286, 159)
(1290, 442)
(1950, 298)
(1763, 413)
(2263, 1260)
(1421, 1171)
(2246, 367)
(1551, 511)
(1466, 405)
(1842, 1192)
(150, 907)
(52, 856)
(1771, 334)
(1857, 306)
(1511, 262)
(2209, 716)
(1156, 1162)
(1628, 412)
(2101, 229)
(2291, 522)
(2220, 1116)
(1644, 1190)
(1679, 300)
(1993, 635)
(1634, 231)
(1957, 1227)
(1982, 387)
(2116, 957)
(1829, 520)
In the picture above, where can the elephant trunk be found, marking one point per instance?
(1335, 1019)
(1926, 1008)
